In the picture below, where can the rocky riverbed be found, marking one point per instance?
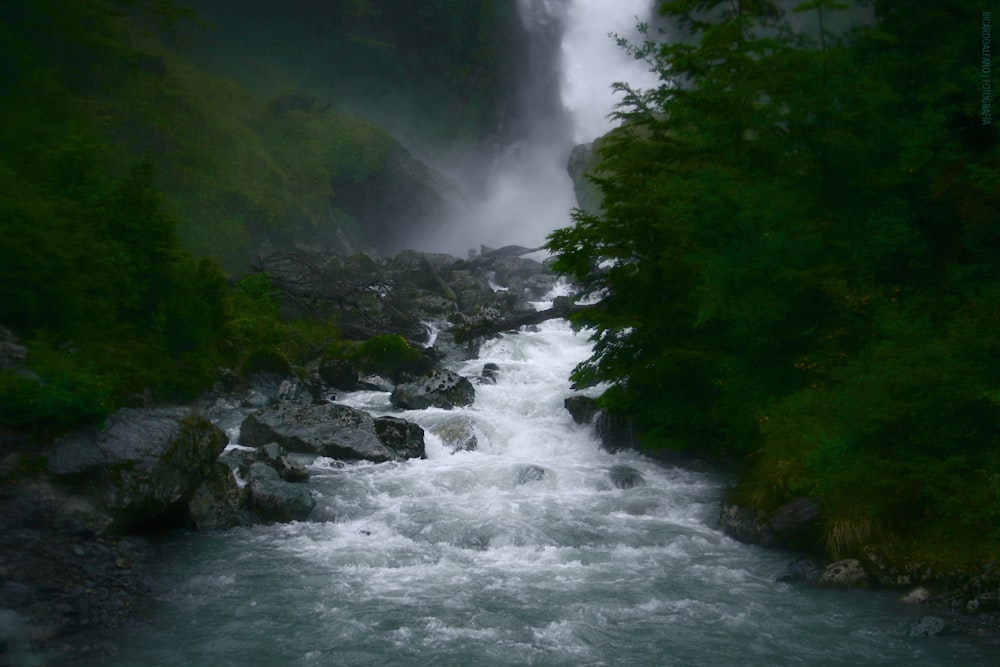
(62, 585)
(75, 525)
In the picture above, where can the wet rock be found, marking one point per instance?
(12, 352)
(581, 408)
(489, 374)
(457, 434)
(339, 374)
(274, 499)
(14, 594)
(293, 390)
(847, 573)
(794, 524)
(800, 570)
(405, 437)
(530, 474)
(928, 626)
(140, 465)
(255, 399)
(332, 430)
(744, 524)
(217, 503)
(625, 477)
(918, 595)
(616, 432)
(13, 637)
(440, 389)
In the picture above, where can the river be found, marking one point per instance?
(522, 551)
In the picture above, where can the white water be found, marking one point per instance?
(565, 100)
(477, 557)
(472, 559)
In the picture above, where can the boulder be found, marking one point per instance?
(275, 456)
(918, 595)
(794, 524)
(440, 389)
(529, 474)
(489, 374)
(273, 499)
(800, 570)
(744, 524)
(405, 437)
(616, 432)
(581, 408)
(338, 374)
(625, 477)
(928, 626)
(847, 573)
(141, 465)
(457, 434)
(327, 429)
(12, 352)
(217, 503)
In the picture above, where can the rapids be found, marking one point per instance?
(530, 549)
(522, 551)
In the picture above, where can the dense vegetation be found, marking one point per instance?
(128, 175)
(439, 73)
(796, 259)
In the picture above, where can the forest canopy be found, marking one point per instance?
(796, 261)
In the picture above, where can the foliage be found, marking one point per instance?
(793, 260)
(389, 355)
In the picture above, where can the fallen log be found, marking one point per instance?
(562, 308)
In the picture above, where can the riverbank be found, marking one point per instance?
(61, 586)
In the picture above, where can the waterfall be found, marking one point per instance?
(564, 98)
(518, 540)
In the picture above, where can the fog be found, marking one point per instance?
(519, 190)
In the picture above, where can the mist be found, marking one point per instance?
(519, 190)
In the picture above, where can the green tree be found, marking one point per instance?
(792, 261)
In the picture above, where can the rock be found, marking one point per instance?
(327, 429)
(440, 389)
(616, 432)
(529, 474)
(142, 464)
(793, 525)
(793, 522)
(273, 499)
(928, 626)
(625, 477)
(457, 434)
(12, 352)
(14, 594)
(918, 595)
(13, 636)
(847, 573)
(375, 383)
(582, 159)
(216, 504)
(293, 390)
(744, 524)
(339, 374)
(405, 437)
(891, 569)
(489, 374)
(255, 399)
(801, 570)
(581, 408)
